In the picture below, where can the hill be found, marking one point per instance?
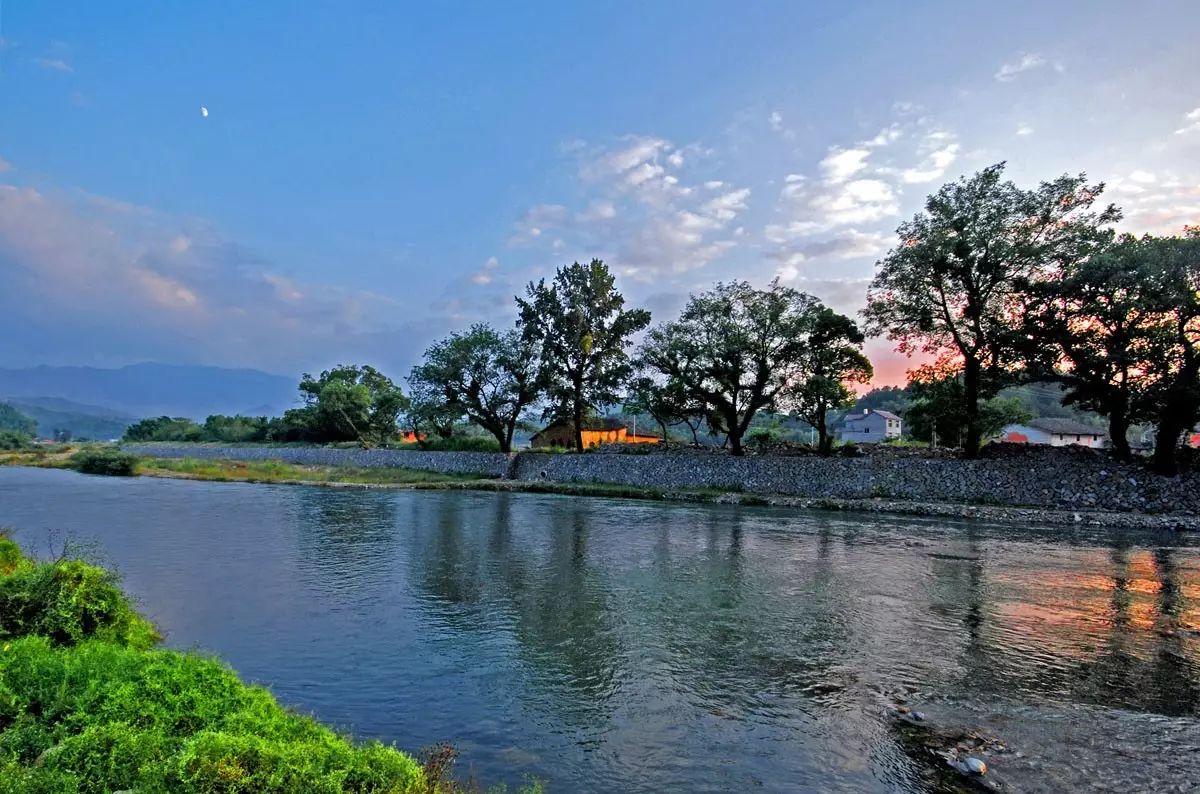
(54, 415)
(142, 390)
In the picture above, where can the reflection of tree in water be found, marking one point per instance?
(545, 593)
(1109, 653)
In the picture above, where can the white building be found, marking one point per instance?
(870, 427)
(1054, 433)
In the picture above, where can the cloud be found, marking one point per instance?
(1026, 62)
(54, 65)
(1024, 130)
(940, 150)
(5, 165)
(850, 244)
(776, 121)
(1158, 203)
(841, 164)
(1194, 126)
(486, 275)
(88, 273)
(642, 212)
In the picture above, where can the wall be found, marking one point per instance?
(1022, 476)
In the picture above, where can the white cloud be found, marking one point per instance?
(54, 65)
(1194, 126)
(1024, 130)
(841, 164)
(598, 211)
(887, 135)
(1142, 177)
(714, 184)
(1026, 62)
(776, 121)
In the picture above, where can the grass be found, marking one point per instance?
(88, 705)
(276, 471)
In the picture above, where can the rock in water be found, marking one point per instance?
(976, 766)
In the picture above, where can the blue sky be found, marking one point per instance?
(371, 176)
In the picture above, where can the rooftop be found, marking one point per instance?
(1064, 427)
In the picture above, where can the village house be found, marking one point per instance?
(595, 433)
(870, 427)
(1054, 432)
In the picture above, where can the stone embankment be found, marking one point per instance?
(1058, 479)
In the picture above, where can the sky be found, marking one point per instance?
(287, 186)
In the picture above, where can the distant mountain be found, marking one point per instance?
(142, 390)
(55, 415)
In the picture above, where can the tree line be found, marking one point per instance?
(991, 284)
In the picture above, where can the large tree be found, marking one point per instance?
(833, 359)
(937, 413)
(734, 351)
(347, 403)
(582, 328)
(955, 287)
(489, 377)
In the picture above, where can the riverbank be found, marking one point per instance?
(275, 472)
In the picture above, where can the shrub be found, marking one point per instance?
(66, 601)
(105, 460)
(85, 706)
(101, 717)
(11, 440)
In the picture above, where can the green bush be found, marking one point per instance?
(99, 717)
(85, 706)
(105, 460)
(11, 439)
(471, 443)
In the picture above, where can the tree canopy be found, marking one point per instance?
(489, 377)
(833, 359)
(734, 350)
(956, 285)
(581, 326)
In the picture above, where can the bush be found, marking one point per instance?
(66, 601)
(86, 707)
(12, 440)
(472, 443)
(105, 460)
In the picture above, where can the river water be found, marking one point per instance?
(611, 645)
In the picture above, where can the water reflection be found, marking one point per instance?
(610, 645)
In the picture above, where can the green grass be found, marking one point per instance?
(277, 471)
(87, 705)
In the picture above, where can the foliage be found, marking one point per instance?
(85, 706)
(105, 460)
(14, 421)
(459, 442)
(580, 324)
(938, 407)
(833, 357)
(883, 398)
(346, 403)
(489, 377)
(10, 440)
(666, 403)
(734, 351)
(63, 420)
(957, 284)
(66, 601)
(165, 428)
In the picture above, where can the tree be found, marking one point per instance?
(1098, 330)
(666, 403)
(938, 412)
(14, 421)
(164, 428)
(832, 359)
(430, 413)
(734, 351)
(957, 284)
(348, 403)
(580, 324)
(489, 377)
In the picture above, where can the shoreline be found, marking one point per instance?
(239, 472)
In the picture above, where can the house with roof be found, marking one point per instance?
(596, 431)
(1054, 432)
(870, 427)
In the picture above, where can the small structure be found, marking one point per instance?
(870, 427)
(595, 433)
(1054, 432)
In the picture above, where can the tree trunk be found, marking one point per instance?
(735, 442)
(1170, 428)
(577, 417)
(824, 441)
(1118, 433)
(974, 438)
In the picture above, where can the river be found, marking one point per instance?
(610, 645)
